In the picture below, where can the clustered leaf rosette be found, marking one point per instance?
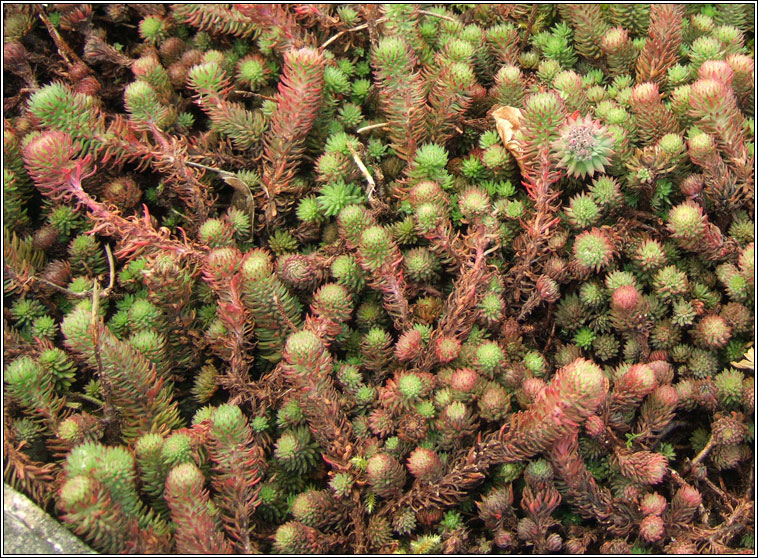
(593, 250)
(583, 147)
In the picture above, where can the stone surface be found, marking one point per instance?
(28, 529)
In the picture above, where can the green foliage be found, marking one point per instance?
(126, 369)
(337, 195)
(270, 302)
(367, 287)
(57, 107)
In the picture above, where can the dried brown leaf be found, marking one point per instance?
(507, 122)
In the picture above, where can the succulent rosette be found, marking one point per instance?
(583, 147)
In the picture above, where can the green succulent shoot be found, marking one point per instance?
(584, 147)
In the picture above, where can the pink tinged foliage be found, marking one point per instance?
(576, 391)
(644, 467)
(190, 509)
(584, 147)
(297, 104)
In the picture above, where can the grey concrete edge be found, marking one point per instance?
(27, 529)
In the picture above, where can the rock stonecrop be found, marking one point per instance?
(583, 147)
(381, 279)
(593, 250)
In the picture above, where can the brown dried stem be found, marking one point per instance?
(531, 245)
(591, 501)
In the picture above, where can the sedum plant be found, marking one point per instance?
(381, 278)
